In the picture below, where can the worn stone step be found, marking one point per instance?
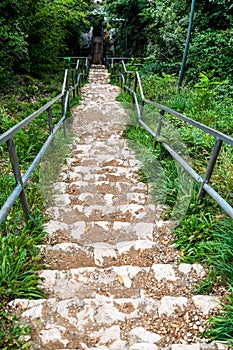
(148, 213)
(91, 175)
(103, 160)
(94, 231)
(138, 253)
(73, 182)
(122, 281)
(115, 323)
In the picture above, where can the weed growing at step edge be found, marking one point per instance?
(19, 260)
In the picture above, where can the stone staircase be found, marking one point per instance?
(113, 279)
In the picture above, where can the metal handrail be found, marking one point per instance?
(8, 136)
(219, 137)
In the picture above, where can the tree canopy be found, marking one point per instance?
(157, 30)
(34, 33)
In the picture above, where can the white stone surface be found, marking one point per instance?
(53, 333)
(141, 334)
(111, 336)
(144, 346)
(102, 250)
(168, 304)
(62, 200)
(78, 229)
(53, 226)
(144, 230)
(126, 274)
(185, 268)
(186, 347)
(205, 303)
(164, 271)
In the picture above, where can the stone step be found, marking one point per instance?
(68, 211)
(102, 230)
(121, 323)
(122, 281)
(94, 198)
(74, 181)
(66, 254)
(115, 148)
(103, 160)
(95, 174)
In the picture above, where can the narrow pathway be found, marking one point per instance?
(113, 280)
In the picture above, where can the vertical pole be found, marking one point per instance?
(181, 73)
(73, 84)
(17, 174)
(126, 39)
(142, 108)
(135, 89)
(67, 91)
(50, 121)
(159, 127)
(130, 80)
(210, 167)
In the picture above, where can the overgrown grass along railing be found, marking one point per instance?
(129, 78)
(73, 78)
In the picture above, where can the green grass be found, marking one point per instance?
(20, 258)
(204, 233)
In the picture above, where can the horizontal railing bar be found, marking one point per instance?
(146, 127)
(12, 131)
(4, 210)
(203, 127)
(217, 134)
(218, 199)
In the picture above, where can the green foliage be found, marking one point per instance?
(13, 334)
(19, 259)
(133, 27)
(221, 326)
(34, 34)
(205, 234)
(18, 255)
(216, 51)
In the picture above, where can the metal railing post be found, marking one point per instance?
(142, 108)
(67, 89)
(73, 84)
(50, 122)
(135, 90)
(159, 127)
(18, 176)
(160, 123)
(130, 80)
(210, 167)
